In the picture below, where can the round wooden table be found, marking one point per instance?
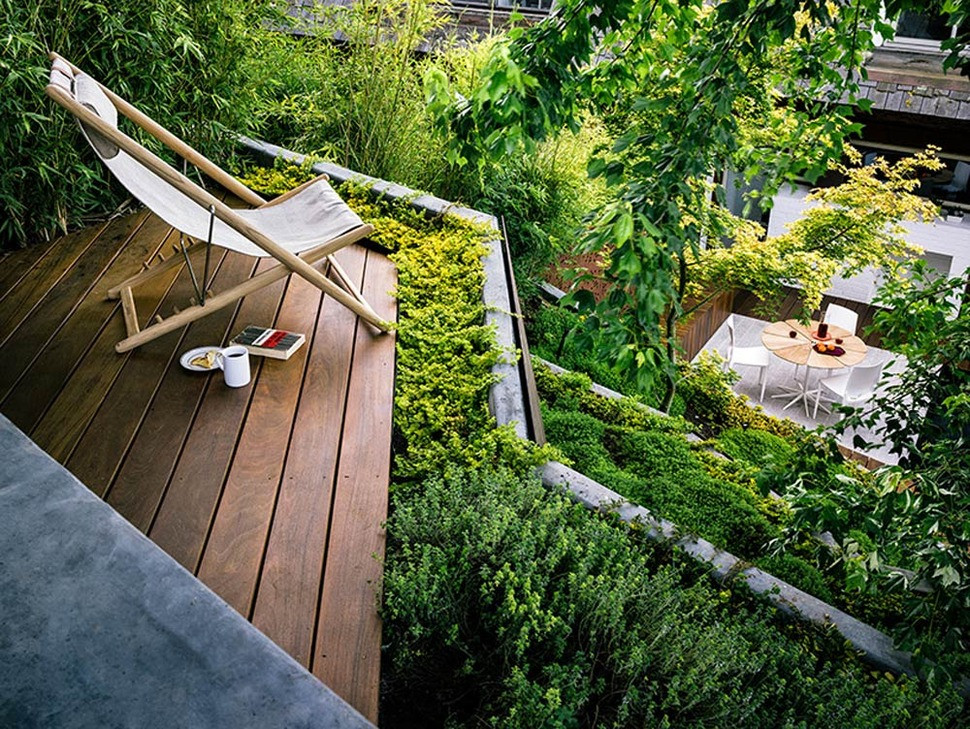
(799, 351)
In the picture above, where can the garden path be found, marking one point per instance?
(273, 494)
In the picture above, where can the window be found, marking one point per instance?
(921, 32)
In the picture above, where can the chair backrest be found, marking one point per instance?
(961, 176)
(167, 202)
(863, 380)
(730, 326)
(179, 209)
(841, 317)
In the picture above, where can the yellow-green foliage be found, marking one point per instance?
(571, 391)
(445, 351)
(850, 227)
(281, 177)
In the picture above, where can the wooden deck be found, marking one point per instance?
(273, 494)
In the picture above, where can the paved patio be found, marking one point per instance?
(781, 374)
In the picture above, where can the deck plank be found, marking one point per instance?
(234, 553)
(87, 329)
(22, 299)
(186, 511)
(17, 264)
(84, 290)
(65, 421)
(152, 371)
(275, 494)
(347, 654)
(289, 588)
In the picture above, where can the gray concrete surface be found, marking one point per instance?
(99, 628)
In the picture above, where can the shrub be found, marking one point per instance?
(445, 352)
(675, 486)
(176, 60)
(506, 605)
(713, 407)
(543, 197)
(549, 331)
(757, 447)
(359, 103)
(797, 572)
(282, 177)
(571, 391)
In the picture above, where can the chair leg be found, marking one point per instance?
(764, 382)
(344, 280)
(818, 397)
(129, 311)
(230, 296)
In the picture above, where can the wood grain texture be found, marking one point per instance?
(185, 514)
(171, 449)
(16, 264)
(57, 367)
(234, 553)
(38, 282)
(151, 371)
(37, 330)
(347, 654)
(289, 588)
(64, 422)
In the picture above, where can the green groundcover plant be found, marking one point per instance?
(505, 604)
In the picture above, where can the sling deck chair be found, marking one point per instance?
(311, 220)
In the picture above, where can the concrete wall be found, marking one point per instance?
(100, 628)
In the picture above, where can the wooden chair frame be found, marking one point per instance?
(346, 292)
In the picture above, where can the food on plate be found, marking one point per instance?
(206, 361)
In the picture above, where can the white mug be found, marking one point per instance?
(234, 361)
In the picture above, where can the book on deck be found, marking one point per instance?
(264, 342)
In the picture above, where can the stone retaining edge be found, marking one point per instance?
(876, 647)
(505, 396)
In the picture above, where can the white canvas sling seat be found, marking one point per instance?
(311, 220)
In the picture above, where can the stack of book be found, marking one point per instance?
(265, 342)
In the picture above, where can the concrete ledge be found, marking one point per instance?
(506, 399)
(876, 647)
(100, 628)
(267, 153)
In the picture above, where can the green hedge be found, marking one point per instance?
(755, 447)
(659, 471)
(177, 60)
(510, 606)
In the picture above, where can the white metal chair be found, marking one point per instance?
(851, 388)
(840, 316)
(747, 356)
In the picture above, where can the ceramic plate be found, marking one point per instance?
(186, 359)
